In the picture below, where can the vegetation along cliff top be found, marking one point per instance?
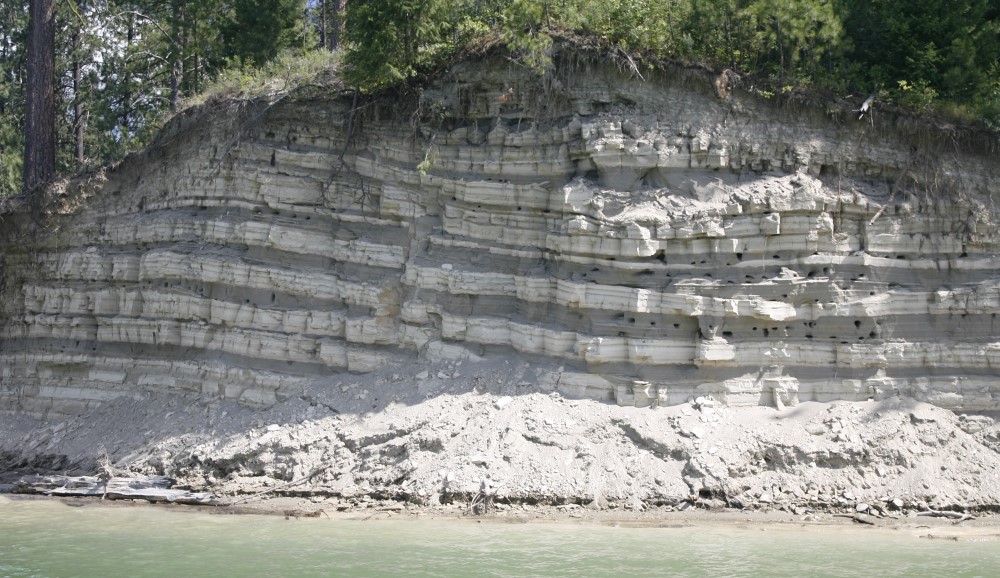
(122, 68)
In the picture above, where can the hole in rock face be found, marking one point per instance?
(766, 332)
(652, 323)
(809, 336)
(964, 254)
(903, 257)
(739, 256)
(727, 333)
(677, 325)
(857, 323)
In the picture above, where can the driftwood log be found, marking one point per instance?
(151, 489)
(957, 516)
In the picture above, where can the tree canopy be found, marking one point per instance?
(121, 66)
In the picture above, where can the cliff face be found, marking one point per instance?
(641, 241)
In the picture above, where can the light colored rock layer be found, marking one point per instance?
(644, 239)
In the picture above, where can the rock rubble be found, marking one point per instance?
(523, 444)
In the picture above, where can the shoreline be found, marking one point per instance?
(984, 527)
(540, 455)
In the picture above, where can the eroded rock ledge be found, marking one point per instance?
(640, 241)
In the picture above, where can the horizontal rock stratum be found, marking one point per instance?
(638, 240)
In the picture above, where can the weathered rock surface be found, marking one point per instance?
(641, 241)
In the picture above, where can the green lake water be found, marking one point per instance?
(48, 538)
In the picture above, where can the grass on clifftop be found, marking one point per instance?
(278, 77)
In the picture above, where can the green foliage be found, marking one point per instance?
(13, 26)
(792, 35)
(11, 157)
(389, 42)
(257, 30)
(276, 77)
(925, 50)
(139, 59)
(524, 33)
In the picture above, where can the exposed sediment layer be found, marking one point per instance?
(643, 240)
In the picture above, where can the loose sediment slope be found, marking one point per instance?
(645, 241)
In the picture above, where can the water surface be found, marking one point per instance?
(48, 538)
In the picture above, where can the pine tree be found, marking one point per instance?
(257, 30)
(13, 31)
(39, 116)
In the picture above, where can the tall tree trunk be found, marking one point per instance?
(126, 115)
(79, 120)
(338, 18)
(322, 25)
(79, 123)
(40, 110)
(178, 53)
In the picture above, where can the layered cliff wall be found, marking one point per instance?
(639, 240)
